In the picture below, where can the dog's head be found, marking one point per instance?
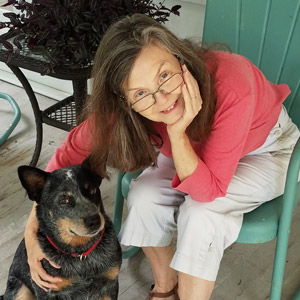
(69, 201)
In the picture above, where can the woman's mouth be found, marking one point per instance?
(170, 108)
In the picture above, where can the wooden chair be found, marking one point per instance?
(268, 33)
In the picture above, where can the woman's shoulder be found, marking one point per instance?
(230, 60)
(232, 67)
(236, 74)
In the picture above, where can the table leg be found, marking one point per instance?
(36, 111)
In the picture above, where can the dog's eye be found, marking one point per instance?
(93, 191)
(64, 201)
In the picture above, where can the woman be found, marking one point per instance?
(212, 134)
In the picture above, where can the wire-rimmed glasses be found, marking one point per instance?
(166, 88)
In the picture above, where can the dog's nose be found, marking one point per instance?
(92, 222)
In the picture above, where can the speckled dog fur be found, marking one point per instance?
(70, 212)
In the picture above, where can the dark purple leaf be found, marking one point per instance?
(7, 45)
(46, 70)
(175, 8)
(48, 3)
(17, 40)
(11, 2)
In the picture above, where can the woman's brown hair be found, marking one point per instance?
(122, 138)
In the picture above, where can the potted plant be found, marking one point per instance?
(67, 32)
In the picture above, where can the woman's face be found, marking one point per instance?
(156, 70)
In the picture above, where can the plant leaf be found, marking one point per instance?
(11, 2)
(7, 45)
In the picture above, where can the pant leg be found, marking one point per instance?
(152, 206)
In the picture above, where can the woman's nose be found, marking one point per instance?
(160, 97)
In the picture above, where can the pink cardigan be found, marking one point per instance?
(248, 106)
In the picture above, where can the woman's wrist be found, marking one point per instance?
(184, 156)
(31, 228)
(178, 138)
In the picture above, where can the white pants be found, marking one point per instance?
(156, 212)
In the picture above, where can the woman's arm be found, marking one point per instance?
(207, 177)
(74, 149)
(184, 156)
(35, 255)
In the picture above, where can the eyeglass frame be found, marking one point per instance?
(158, 90)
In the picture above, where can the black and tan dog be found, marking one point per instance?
(74, 232)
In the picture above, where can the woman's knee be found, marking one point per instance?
(146, 192)
(198, 222)
(141, 197)
(193, 216)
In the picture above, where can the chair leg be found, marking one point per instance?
(281, 251)
(118, 206)
(278, 271)
(117, 217)
(130, 251)
(289, 202)
(297, 295)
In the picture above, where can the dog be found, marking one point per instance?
(74, 232)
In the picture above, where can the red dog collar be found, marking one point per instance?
(84, 254)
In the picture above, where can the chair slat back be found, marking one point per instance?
(265, 31)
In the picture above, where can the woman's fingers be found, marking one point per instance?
(42, 278)
(192, 104)
(191, 92)
(187, 99)
(53, 264)
(38, 273)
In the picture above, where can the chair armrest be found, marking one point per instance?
(122, 188)
(290, 198)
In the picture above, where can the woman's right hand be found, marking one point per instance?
(35, 256)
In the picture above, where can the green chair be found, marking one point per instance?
(122, 189)
(268, 33)
(15, 120)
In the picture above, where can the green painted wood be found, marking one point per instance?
(17, 116)
(268, 33)
(265, 31)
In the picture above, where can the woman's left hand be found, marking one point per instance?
(192, 102)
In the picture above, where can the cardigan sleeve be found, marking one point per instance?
(221, 153)
(74, 149)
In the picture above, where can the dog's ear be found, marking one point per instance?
(86, 164)
(33, 180)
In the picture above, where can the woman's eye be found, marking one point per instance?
(164, 76)
(90, 189)
(140, 94)
(64, 201)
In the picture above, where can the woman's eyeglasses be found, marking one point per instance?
(166, 88)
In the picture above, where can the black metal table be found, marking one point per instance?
(63, 114)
